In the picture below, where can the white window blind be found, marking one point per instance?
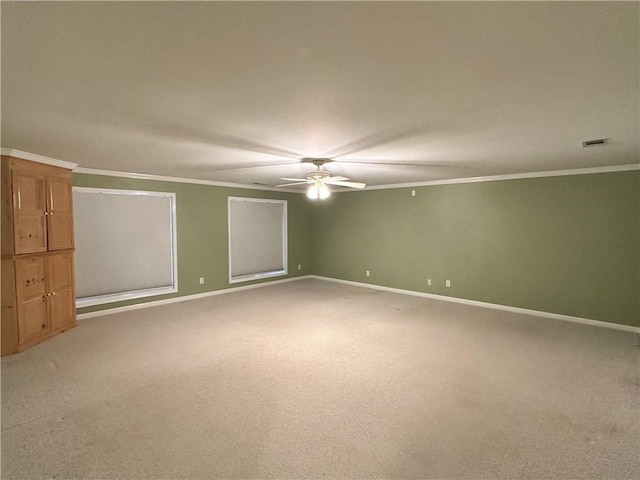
(125, 244)
(257, 238)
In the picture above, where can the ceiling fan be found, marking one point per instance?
(319, 180)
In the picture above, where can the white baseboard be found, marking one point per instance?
(184, 298)
(495, 306)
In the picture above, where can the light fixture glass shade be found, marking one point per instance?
(313, 192)
(318, 190)
(323, 191)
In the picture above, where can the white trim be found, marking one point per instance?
(495, 306)
(285, 253)
(138, 306)
(37, 158)
(122, 296)
(514, 176)
(162, 178)
(256, 276)
(123, 191)
(143, 176)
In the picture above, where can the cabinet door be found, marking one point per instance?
(32, 320)
(62, 310)
(60, 214)
(30, 277)
(29, 206)
(31, 298)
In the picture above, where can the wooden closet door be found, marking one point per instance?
(31, 298)
(62, 310)
(29, 207)
(60, 217)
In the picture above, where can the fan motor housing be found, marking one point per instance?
(318, 175)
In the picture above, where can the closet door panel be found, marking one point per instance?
(33, 319)
(31, 293)
(30, 277)
(29, 207)
(60, 218)
(62, 309)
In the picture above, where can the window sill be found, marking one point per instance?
(257, 276)
(120, 297)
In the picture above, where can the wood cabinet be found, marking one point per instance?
(41, 207)
(38, 299)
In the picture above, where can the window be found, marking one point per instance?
(125, 244)
(257, 238)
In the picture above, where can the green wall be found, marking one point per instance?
(202, 232)
(567, 245)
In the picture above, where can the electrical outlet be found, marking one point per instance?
(367, 273)
(447, 283)
(299, 267)
(413, 193)
(201, 280)
(429, 281)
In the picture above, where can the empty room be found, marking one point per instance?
(320, 240)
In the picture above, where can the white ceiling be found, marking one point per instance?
(239, 92)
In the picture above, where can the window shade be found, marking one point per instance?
(257, 238)
(125, 245)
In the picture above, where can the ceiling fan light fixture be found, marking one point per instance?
(319, 180)
(324, 191)
(318, 190)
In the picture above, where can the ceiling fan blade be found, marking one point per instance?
(340, 183)
(254, 166)
(337, 178)
(295, 179)
(295, 183)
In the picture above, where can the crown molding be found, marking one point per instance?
(162, 178)
(513, 176)
(140, 176)
(143, 176)
(37, 158)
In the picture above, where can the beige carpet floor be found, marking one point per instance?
(314, 379)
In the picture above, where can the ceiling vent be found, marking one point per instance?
(600, 142)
